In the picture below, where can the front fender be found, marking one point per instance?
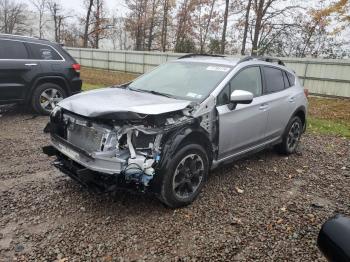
(170, 145)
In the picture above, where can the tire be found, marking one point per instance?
(52, 93)
(179, 177)
(291, 136)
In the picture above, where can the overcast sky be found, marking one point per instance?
(77, 5)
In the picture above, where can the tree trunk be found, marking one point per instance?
(223, 37)
(87, 22)
(246, 25)
(259, 16)
(55, 21)
(182, 19)
(150, 33)
(207, 26)
(164, 25)
(98, 24)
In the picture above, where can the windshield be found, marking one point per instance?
(189, 81)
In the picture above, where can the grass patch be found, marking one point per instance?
(88, 86)
(101, 78)
(330, 108)
(328, 127)
(329, 116)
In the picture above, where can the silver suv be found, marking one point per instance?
(163, 132)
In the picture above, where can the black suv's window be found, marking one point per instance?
(274, 79)
(12, 50)
(42, 52)
(249, 79)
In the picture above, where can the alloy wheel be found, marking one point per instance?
(294, 136)
(49, 98)
(188, 176)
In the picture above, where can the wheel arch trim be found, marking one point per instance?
(46, 79)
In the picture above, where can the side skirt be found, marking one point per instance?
(245, 152)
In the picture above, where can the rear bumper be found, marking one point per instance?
(75, 85)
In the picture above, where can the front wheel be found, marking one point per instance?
(291, 136)
(184, 176)
(46, 97)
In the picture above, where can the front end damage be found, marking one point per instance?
(120, 150)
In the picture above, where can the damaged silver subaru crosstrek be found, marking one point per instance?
(163, 132)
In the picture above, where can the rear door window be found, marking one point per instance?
(42, 52)
(12, 50)
(273, 79)
(285, 79)
(291, 78)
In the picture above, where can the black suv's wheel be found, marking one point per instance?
(184, 176)
(46, 96)
(291, 136)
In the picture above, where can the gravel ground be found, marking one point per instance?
(263, 208)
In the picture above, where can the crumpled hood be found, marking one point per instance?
(113, 100)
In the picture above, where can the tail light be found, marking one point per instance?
(306, 92)
(76, 67)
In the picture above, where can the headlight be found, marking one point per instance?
(109, 141)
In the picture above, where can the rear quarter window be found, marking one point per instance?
(12, 50)
(42, 52)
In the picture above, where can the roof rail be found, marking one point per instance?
(14, 35)
(262, 58)
(194, 55)
(24, 36)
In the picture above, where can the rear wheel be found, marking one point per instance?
(184, 176)
(46, 97)
(291, 136)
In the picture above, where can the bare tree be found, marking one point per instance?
(155, 6)
(136, 22)
(100, 24)
(117, 33)
(40, 6)
(184, 25)
(224, 28)
(89, 5)
(56, 11)
(164, 32)
(204, 21)
(246, 26)
(12, 17)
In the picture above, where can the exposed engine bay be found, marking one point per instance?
(124, 149)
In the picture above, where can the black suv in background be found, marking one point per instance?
(36, 72)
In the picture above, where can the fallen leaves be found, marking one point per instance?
(240, 191)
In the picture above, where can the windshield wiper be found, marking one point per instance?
(152, 92)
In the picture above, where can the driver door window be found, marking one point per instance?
(249, 79)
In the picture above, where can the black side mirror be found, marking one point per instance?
(334, 239)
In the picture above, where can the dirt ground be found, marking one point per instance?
(264, 208)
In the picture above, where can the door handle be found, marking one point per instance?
(264, 107)
(33, 64)
(291, 100)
